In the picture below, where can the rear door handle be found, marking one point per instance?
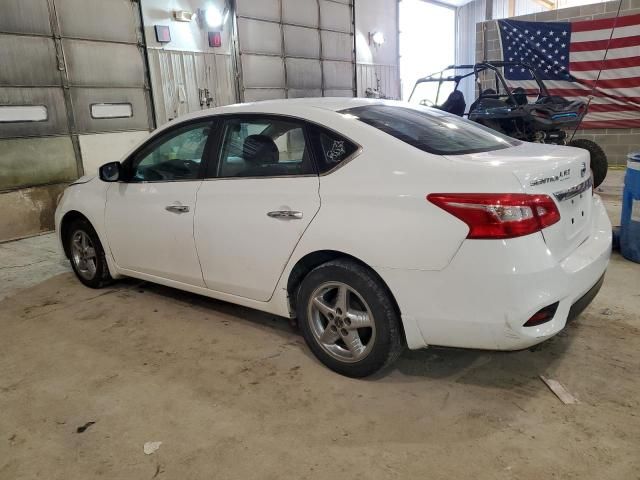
(286, 214)
(177, 208)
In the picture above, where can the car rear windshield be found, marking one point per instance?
(432, 130)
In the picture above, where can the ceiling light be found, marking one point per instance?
(213, 17)
(377, 38)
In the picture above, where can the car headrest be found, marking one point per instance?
(260, 150)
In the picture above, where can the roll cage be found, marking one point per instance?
(501, 88)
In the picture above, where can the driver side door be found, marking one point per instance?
(149, 215)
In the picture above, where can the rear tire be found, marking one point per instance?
(87, 255)
(599, 163)
(348, 319)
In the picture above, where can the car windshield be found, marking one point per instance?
(432, 130)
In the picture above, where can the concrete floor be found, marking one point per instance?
(611, 193)
(234, 393)
(25, 263)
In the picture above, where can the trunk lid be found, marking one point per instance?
(563, 173)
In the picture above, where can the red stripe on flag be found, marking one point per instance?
(610, 124)
(605, 65)
(587, 25)
(579, 92)
(576, 92)
(612, 107)
(631, 41)
(611, 83)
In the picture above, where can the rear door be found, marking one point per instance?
(259, 196)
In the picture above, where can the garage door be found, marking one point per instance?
(73, 85)
(295, 48)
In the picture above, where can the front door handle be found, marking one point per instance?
(177, 208)
(286, 214)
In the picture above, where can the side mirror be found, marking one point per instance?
(110, 172)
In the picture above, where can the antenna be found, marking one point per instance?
(604, 58)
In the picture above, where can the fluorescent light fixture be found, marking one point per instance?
(213, 17)
(183, 16)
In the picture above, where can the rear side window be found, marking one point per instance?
(263, 147)
(331, 148)
(432, 131)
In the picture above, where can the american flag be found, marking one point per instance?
(568, 56)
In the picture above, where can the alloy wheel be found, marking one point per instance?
(341, 322)
(83, 254)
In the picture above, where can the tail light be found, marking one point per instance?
(499, 215)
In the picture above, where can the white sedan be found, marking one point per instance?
(376, 224)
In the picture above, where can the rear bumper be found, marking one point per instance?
(583, 302)
(491, 288)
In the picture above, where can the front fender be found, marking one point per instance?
(87, 199)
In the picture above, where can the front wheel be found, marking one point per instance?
(599, 163)
(348, 318)
(87, 255)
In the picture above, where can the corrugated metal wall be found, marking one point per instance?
(521, 7)
(377, 66)
(67, 59)
(467, 18)
(180, 77)
(380, 77)
(295, 48)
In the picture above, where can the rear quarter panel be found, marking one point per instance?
(374, 207)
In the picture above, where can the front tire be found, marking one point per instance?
(599, 163)
(87, 255)
(348, 319)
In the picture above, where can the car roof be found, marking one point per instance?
(293, 106)
(307, 108)
(326, 103)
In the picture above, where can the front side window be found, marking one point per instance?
(263, 148)
(174, 156)
(431, 130)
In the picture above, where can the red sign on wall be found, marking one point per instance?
(163, 34)
(215, 39)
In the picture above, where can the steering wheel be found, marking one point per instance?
(150, 173)
(190, 166)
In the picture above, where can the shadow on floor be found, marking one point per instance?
(502, 370)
